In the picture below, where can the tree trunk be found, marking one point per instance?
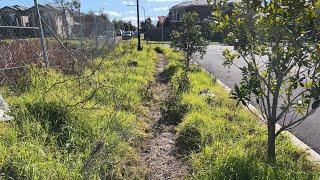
(271, 143)
(188, 64)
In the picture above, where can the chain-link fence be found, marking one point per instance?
(52, 36)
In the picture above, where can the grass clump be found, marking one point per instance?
(223, 141)
(174, 109)
(158, 49)
(73, 127)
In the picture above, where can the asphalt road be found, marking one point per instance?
(308, 131)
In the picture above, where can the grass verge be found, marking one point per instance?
(72, 127)
(221, 140)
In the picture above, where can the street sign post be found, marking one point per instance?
(162, 19)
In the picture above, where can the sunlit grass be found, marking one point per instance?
(223, 141)
(84, 128)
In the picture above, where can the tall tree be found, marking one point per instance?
(278, 41)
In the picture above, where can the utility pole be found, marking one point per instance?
(139, 35)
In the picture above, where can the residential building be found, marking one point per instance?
(201, 7)
(13, 16)
(174, 18)
(59, 20)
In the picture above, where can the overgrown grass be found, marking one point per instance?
(70, 127)
(221, 140)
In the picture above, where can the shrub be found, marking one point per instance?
(174, 109)
(158, 50)
(189, 139)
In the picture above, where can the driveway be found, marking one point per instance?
(308, 131)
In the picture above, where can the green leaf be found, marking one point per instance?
(316, 104)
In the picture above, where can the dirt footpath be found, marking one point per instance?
(159, 152)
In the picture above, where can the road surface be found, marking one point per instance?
(308, 131)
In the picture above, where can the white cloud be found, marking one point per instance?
(128, 3)
(160, 9)
(132, 18)
(113, 13)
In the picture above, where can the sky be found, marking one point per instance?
(117, 9)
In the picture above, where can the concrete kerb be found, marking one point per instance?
(3, 109)
(312, 154)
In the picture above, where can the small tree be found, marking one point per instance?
(189, 39)
(277, 39)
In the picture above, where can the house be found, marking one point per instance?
(174, 18)
(63, 22)
(13, 16)
(59, 20)
(201, 7)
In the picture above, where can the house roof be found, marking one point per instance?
(23, 8)
(18, 7)
(191, 3)
(195, 3)
(46, 6)
(51, 6)
(14, 8)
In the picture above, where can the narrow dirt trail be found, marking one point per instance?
(159, 155)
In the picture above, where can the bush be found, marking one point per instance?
(189, 139)
(174, 109)
(158, 50)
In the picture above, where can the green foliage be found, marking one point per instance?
(86, 127)
(158, 49)
(174, 109)
(189, 139)
(223, 141)
(189, 39)
(278, 42)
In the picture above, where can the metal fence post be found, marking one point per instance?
(81, 34)
(43, 43)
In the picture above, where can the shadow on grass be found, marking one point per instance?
(166, 75)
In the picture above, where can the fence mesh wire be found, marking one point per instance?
(71, 38)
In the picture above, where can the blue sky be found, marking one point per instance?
(115, 8)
